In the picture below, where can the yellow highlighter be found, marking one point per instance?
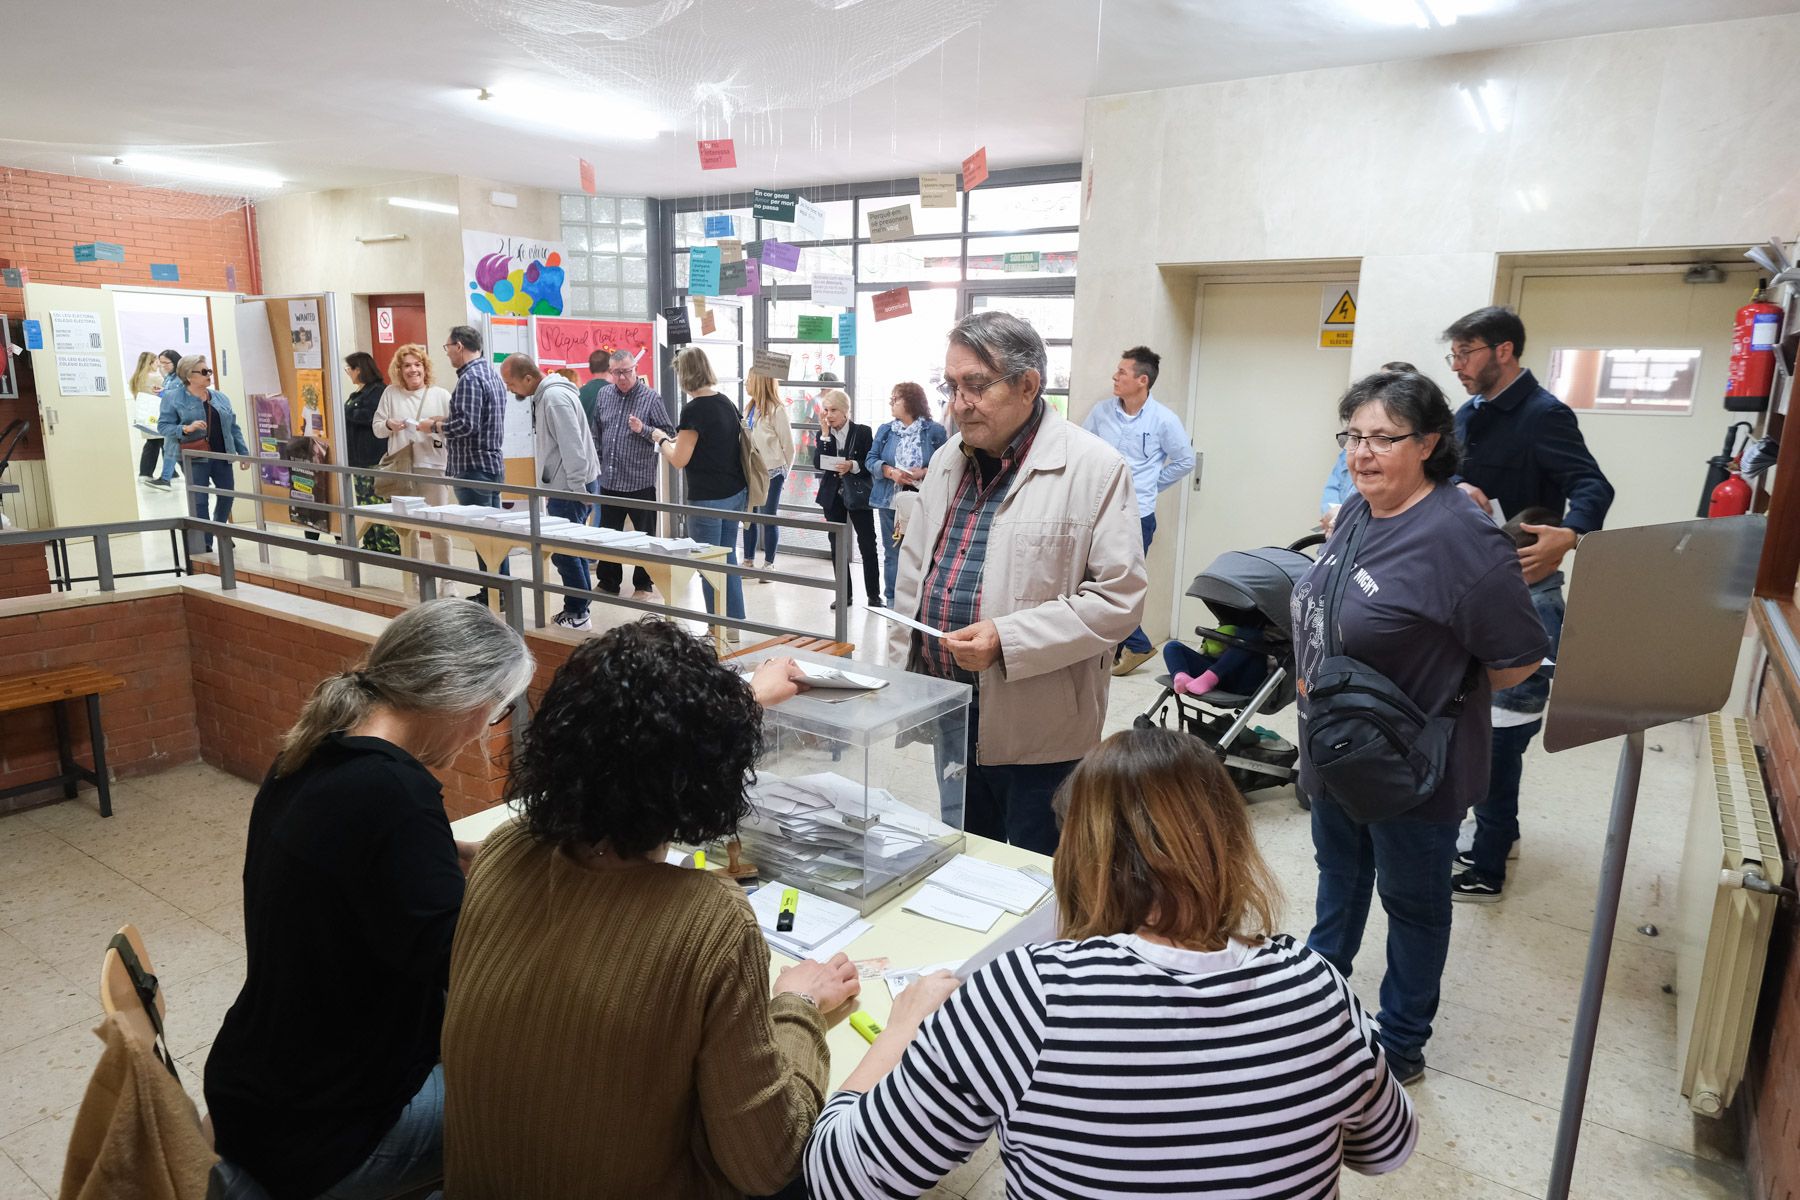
(790, 904)
(699, 860)
(866, 1025)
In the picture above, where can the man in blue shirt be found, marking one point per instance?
(1154, 446)
(1522, 449)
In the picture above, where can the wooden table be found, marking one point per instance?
(56, 688)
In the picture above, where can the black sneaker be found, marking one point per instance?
(1462, 862)
(1471, 888)
(1406, 1071)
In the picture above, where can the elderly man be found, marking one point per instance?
(1026, 549)
(565, 461)
(627, 460)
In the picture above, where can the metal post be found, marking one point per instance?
(537, 562)
(352, 568)
(103, 561)
(514, 590)
(840, 571)
(1593, 984)
(227, 563)
(262, 522)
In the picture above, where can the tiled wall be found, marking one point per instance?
(1773, 1133)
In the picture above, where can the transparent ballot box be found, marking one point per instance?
(859, 790)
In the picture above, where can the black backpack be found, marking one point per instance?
(1376, 752)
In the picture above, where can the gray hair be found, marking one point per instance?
(622, 358)
(835, 398)
(188, 364)
(522, 367)
(1005, 344)
(444, 657)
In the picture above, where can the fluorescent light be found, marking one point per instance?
(422, 205)
(187, 168)
(587, 115)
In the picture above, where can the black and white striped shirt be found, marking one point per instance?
(1118, 1067)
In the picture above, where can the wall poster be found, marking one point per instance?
(512, 276)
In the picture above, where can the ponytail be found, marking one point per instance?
(340, 702)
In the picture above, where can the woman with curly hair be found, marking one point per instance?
(611, 1030)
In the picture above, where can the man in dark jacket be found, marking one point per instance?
(1522, 449)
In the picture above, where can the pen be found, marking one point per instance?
(866, 1025)
(790, 903)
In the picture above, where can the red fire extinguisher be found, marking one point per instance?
(1753, 341)
(1731, 498)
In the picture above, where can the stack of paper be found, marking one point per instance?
(832, 833)
(946, 906)
(989, 883)
(409, 504)
(821, 927)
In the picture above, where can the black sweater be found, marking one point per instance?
(361, 444)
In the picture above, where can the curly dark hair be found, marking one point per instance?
(643, 737)
(1416, 401)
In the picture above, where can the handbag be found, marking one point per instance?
(756, 470)
(396, 460)
(1378, 754)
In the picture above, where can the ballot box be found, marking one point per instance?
(859, 790)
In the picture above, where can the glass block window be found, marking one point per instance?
(606, 241)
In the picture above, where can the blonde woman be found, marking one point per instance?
(765, 416)
(146, 406)
(411, 397)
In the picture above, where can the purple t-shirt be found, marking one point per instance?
(1431, 588)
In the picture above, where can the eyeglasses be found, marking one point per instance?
(504, 713)
(950, 389)
(1458, 357)
(1378, 443)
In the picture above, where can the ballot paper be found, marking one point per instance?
(817, 921)
(820, 676)
(1037, 926)
(831, 462)
(946, 906)
(899, 980)
(989, 883)
(829, 832)
(890, 615)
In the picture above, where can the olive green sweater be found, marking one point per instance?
(610, 1033)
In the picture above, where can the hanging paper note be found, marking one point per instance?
(890, 304)
(709, 324)
(937, 190)
(847, 334)
(752, 277)
(754, 249)
(717, 155)
(588, 182)
(975, 170)
(834, 291)
(890, 224)
(699, 305)
(732, 278)
(780, 255)
(730, 250)
(815, 329)
(769, 363)
(718, 226)
(675, 322)
(809, 220)
(772, 206)
(703, 270)
(165, 272)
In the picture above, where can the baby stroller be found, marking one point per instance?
(1248, 589)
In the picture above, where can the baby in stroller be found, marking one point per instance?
(1237, 665)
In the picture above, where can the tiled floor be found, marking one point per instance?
(170, 858)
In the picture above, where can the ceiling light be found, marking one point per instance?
(422, 205)
(1422, 14)
(589, 116)
(1486, 105)
(188, 168)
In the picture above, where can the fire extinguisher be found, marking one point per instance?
(1731, 498)
(1753, 341)
(1720, 466)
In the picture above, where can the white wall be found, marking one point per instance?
(1648, 139)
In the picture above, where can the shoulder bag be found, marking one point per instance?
(756, 471)
(854, 489)
(395, 460)
(1376, 752)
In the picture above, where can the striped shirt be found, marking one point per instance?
(951, 591)
(1117, 1067)
(477, 425)
(627, 459)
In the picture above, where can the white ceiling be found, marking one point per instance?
(349, 92)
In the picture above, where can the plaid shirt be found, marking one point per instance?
(477, 424)
(627, 459)
(951, 591)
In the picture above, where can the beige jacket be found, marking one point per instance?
(775, 439)
(136, 1135)
(1063, 582)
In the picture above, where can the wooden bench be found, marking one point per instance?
(56, 688)
(794, 641)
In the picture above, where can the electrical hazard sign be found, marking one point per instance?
(1337, 316)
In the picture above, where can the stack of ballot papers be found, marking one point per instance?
(828, 832)
(464, 513)
(821, 927)
(989, 883)
(409, 504)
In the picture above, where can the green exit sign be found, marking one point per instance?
(1024, 260)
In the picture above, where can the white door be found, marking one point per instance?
(90, 453)
(1264, 414)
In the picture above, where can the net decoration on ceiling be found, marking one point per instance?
(720, 59)
(152, 194)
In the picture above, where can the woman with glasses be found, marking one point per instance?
(897, 462)
(199, 417)
(324, 1079)
(1435, 602)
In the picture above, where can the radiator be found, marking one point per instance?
(1723, 922)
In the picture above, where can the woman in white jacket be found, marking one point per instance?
(410, 398)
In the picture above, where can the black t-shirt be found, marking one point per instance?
(715, 471)
(351, 895)
(1432, 588)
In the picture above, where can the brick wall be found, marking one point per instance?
(1773, 1083)
(149, 726)
(43, 217)
(24, 571)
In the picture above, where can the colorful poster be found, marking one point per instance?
(975, 170)
(847, 335)
(303, 332)
(571, 341)
(814, 329)
(272, 432)
(780, 255)
(772, 206)
(311, 386)
(717, 154)
(703, 270)
(752, 277)
(718, 226)
(896, 302)
(512, 276)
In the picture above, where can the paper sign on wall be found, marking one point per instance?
(834, 291)
(769, 363)
(12, 277)
(975, 170)
(165, 272)
(780, 255)
(730, 250)
(88, 252)
(717, 154)
(809, 220)
(1023, 260)
(588, 183)
(890, 224)
(1337, 316)
(34, 334)
(311, 386)
(733, 277)
(303, 331)
(937, 190)
(847, 334)
(703, 270)
(771, 205)
(76, 331)
(718, 226)
(815, 329)
(81, 374)
(897, 302)
(384, 326)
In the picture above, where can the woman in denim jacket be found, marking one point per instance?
(897, 459)
(198, 409)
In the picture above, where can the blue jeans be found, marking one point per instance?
(1497, 816)
(209, 472)
(470, 495)
(1008, 802)
(722, 531)
(890, 553)
(574, 571)
(409, 1155)
(1408, 862)
(770, 533)
(1139, 642)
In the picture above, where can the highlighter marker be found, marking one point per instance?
(790, 903)
(699, 860)
(866, 1025)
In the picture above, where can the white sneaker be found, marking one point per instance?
(734, 636)
(647, 595)
(569, 620)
